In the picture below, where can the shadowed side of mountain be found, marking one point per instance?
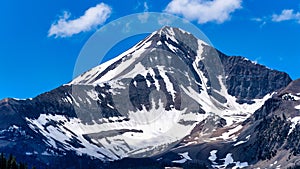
(246, 79)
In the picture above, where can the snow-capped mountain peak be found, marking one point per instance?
(169, 75)
(167, 39)
(169, 92)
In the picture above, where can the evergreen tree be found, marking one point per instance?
(22, 166)
(9, 162)
(14, 164)
(3, 162)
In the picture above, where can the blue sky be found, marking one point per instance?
(41, 40)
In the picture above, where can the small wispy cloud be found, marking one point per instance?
(93, 17)
(257, 19)
(146, 8)
(144, 16)
(286, 15)
(126, 28)
(163, 20)
(204, 11)
(262, 21)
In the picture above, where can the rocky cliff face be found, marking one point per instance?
(173, 98)
(247, 80)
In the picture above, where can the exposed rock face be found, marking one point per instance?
(222, 111)
(247, 80)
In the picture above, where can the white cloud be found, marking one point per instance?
(262, 21)
(163, 20)
(257, 19)
(204, 10)
(144, 16)
(127, 28)
(92, 18)
(286, 14)
(146, 8)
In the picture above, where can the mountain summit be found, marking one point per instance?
(171, 98)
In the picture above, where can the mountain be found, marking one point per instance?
(170, 100)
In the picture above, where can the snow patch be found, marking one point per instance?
(185, 157)
(46, 153)
(69, 99)
(88, 100)
(169, 32)
(29, 153)
(180, 161)
(156, 83)
(240, 165)
(233, 112)
(229, 160)
(62, 134)
(76, 103)
(171, 47)
(169, 85)
(243, 141)
(230, 134)
(138, 69)
(92, 94)
(213, 155)
(290, 96)
(295, 121)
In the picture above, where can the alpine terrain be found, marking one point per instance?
(170, 100)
